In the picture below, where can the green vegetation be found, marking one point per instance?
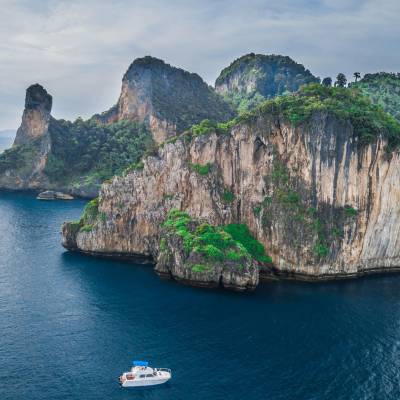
(350, 211)
(228, 196)
(199, 268)
(87, 228)
(257, 210)
(300, 222)
(75, 227)
(95, 151)
(231, 243)
(341, 80)
(19, 157)
(241, 233)
(138, 166)
(320, 250)
(268, 75)
(178, 96)
(90, 211)
(327, 81)
(89, 217)
(201, 169)
(367, 119)
(207, 126)
(103, 216)
(383, 89)
(289, 206)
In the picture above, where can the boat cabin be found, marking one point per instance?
(142, 375)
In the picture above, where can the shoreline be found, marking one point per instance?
(278, 276)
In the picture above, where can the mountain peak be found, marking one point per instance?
(154, 64)
(38, 98)
(167, 99)
(252, 78)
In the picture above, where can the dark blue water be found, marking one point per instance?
(69, 325)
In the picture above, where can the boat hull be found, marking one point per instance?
(148, 382)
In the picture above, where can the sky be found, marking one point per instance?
(79, 49)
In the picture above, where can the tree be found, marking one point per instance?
(357, 76)
(341, 80)
(327, 81)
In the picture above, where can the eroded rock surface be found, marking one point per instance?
(168, 100)
(322, 205)
(192, 269)
(52, 195)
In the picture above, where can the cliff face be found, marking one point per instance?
(23, 168)
(168, 100)
(36, 116)
(197, 253)
(157, 101)
(27, 165)
(252, 78)
(321, 204)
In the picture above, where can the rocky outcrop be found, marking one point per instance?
(168, 100)
(157, 101)
(193, 268)
(22, 166)
(36, 116)
(252, 78)
(323, 205)
(52, 195)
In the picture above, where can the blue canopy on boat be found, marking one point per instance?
(140, 363)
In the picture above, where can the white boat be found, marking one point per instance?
(143, 375)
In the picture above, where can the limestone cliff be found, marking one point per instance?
(322, 203)
(28, 164)
(168, 99)
(156, 102)
(36, 116)
(22, 166)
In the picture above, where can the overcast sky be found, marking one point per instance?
(79, 50)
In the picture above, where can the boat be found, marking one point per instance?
(143, 375)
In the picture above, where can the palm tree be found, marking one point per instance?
(357, 76)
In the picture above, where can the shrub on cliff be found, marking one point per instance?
(88, 218)
(241, 233)
(231, 243)
(90, 211)
(201, 169)
(207, 126)
(368, 120)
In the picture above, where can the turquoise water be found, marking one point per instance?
(70, 324)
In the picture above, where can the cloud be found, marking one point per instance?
(80, 50)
